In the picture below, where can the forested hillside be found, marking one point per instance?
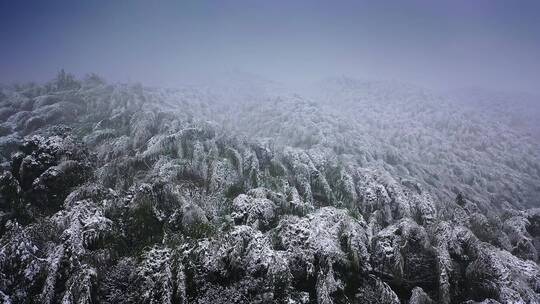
(356, 192)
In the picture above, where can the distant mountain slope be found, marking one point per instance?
(362, 193)
(413, 134)
(519, 111)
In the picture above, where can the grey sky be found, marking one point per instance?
(438, 44)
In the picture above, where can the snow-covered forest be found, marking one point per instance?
(348, 192)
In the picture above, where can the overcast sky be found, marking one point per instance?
(438, 44)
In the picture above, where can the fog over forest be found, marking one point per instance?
(246, 152)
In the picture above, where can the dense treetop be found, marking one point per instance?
(352, 193)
